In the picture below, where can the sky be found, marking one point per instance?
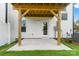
(76, 12)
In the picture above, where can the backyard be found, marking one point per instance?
(73, 52)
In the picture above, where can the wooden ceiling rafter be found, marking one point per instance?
(41, 13)
(53, 12)
(25, 12)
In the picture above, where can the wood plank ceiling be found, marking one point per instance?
(39, 9)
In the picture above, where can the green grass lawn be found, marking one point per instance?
(72, 46)
(74, 52)
(41, 53)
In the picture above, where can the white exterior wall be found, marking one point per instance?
(2, 12)
(4, 33)
(13, 20)
(4, 28)
(34, 26)
(67, 25)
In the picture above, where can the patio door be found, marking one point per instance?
(45, 28)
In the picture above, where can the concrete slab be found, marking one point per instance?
(39, 44)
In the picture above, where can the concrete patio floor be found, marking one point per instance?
(39, 44)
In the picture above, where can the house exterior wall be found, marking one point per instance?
(67, 25)
(4, 33)
(12, 20)
(34, 27)
(4, 28)
(2, 12)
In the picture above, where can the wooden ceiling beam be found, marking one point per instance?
(25, 12)
(39, 4)
(53, 13)
(37, 8)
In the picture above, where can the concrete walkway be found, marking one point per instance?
(39, 44)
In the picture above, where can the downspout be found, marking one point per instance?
(73, 21)
(6, 11)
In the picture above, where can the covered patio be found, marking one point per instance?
(39, 10)
(39, 44)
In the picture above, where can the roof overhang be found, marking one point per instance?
(39, 9)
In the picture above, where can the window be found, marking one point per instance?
(45, 28)
(23, 28)
(64, 16)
